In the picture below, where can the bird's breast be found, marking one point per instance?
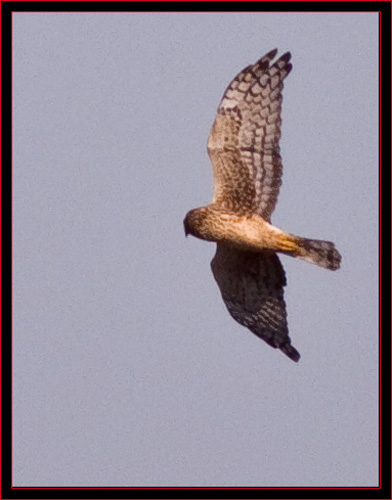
(249, 232)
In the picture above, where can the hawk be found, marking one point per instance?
(244, 151)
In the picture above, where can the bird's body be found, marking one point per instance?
(244, 151)
(250, 232)
(247, 231)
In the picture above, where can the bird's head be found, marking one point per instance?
(193, 222)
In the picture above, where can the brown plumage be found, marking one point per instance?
(244, 150)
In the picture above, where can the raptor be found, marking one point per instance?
(243, 146)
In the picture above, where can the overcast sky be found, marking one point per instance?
(128, 369)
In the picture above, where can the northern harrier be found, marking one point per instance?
(244, 150)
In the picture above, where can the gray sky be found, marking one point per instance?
(128, 370)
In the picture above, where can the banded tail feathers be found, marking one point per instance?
(319, 252)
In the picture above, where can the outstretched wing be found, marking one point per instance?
(244, 141)
(251, 285)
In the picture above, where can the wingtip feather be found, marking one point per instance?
(291, 352)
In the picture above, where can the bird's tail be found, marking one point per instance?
(319, 252)
(322, 253)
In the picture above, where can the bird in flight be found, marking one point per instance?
(244, 151)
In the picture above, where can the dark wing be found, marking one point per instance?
(244, 141)
(251, 285)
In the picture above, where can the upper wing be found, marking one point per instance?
(251, 285)
(244, 141)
